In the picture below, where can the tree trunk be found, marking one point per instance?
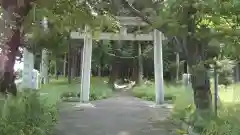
(100, 66)
(140, 64)
(199, 75)
(74, 63)
(136, 64)
(14, 40)
(195, 57)
(201, 87)
(69, 63)
(114, 73)
(64, 65)
(177, 66)
(56, 70)
(134, 70)
(8, 84)
(80, 62)
(99, 69)
(237, 73)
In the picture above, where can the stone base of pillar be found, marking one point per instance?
(168, 106)
(84, 105)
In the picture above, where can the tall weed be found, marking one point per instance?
(225, 123)
(26, 114)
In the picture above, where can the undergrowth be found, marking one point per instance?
(147, 91)
(99, 89)
(225, 123)
(27, 114)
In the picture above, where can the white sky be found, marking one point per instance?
(18, 65)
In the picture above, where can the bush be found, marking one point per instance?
(27, 114)
(225, 71)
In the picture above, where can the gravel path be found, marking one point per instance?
(119, 115)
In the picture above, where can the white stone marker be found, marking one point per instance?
(158, 67)
(186, 78)
(35, 79)
(28, 64)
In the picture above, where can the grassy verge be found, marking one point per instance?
(27, 114)
(147, 91)
(227, 121)
(58, 88)
(35, 112)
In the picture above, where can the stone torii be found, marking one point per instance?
(155, 36)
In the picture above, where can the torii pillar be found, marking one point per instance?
(158, 67)
(86, 67)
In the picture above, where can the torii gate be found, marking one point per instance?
(155, 36)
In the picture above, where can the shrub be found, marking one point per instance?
(26, 114)
(225, 71)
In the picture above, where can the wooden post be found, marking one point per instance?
(86, 67)
(158, 67)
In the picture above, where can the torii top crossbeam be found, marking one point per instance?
(130, 21)
(124, 21)
(123, 35)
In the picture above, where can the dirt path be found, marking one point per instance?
(119, 115)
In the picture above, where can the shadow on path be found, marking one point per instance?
(119, 115)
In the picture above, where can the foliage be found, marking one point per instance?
(228, 110)
(63, 17)
(147, 91)
(226, 123)
(58, 89)
(27, 114)
(183, 105)
(225, 71)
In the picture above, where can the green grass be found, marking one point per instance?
(227, 95)
(54, 90)
(147, 91)
(227, 121)
(230, 94)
